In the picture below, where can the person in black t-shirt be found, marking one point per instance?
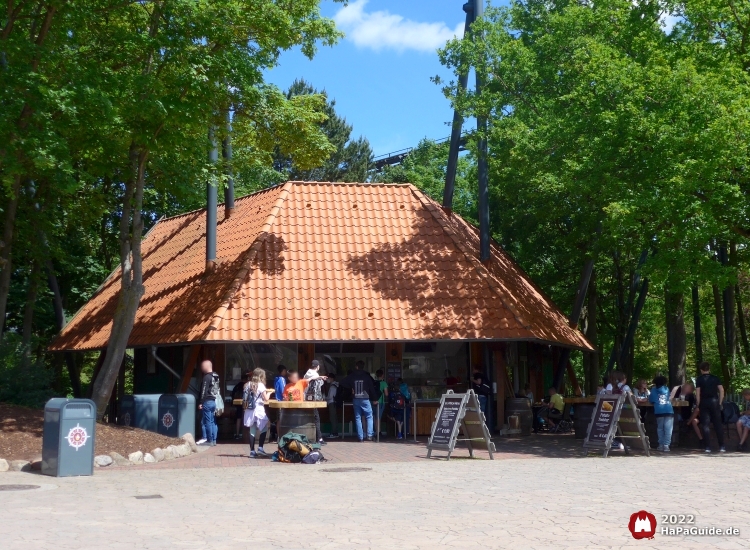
(709, 395)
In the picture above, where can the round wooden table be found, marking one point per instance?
(297, 417)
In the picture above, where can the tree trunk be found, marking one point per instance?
(592, 380)
(6, 263)
(728, 297)
(674, 304)
(57, 305)
(697, 326)
(721, 344)
(741, 323)
(28, 312)
(131, 285)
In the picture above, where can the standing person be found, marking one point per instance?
(686, 392)
(295, 388)
(237, 393)
(210, 389)
(313, 373)
(279, 382)
(383, 387)
(479, 384)
(333, 387)
(709, 395)
(404, 389)
(663, 412)
(363, 390)
(254, 398)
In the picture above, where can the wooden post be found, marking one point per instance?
(187, 373)
(502, 382)
(305, 355)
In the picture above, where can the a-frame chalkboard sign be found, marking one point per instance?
(459, 411)
(615, 416)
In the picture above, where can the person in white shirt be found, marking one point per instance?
(254, 398)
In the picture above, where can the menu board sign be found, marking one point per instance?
(447, 421)
(604, 420)
(393, 371)
(459, 411)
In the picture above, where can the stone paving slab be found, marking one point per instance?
(509, 503)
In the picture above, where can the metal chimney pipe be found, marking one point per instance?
(227, 153)
(484, 192)
(211, 205)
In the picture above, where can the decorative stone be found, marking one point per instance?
(168, 453)
(119, 459)
(148, 458)
(190, 440)
(36, 463)
(100, 461)
(185, 449)
(158, 454)
(136, 457)
(20, 465)
(4, 466)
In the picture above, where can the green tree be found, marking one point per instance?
(608, 137)
(350, 160)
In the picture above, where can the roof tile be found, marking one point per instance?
(322, 261)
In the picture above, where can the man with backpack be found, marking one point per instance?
(364, 392)
(210, 392)
(709, 395)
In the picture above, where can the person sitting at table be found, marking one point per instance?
(552, 412)
(686, 392)
(527, 393)
(295, 388)
(641, 392)
(743, 424)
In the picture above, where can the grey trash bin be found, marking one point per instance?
(68, 437)
(176, 414)
(140, 411)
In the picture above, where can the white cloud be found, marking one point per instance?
(381, 30)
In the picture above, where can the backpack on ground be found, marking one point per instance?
(730, 412)
(295, 448)
(314, 391)
(216, 392)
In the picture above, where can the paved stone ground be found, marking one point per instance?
(337, 451)
(548, 502)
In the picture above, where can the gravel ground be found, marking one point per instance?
(21, 435)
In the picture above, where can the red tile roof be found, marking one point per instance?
(313, 261)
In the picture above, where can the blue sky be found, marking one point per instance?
(379, 74)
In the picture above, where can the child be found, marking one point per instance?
(383, 386)
(663, 412)
(253, 401)
(743, 424)
(641, 391)
(295, 388)
(397, 403)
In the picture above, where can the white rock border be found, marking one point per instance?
(138, 457)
